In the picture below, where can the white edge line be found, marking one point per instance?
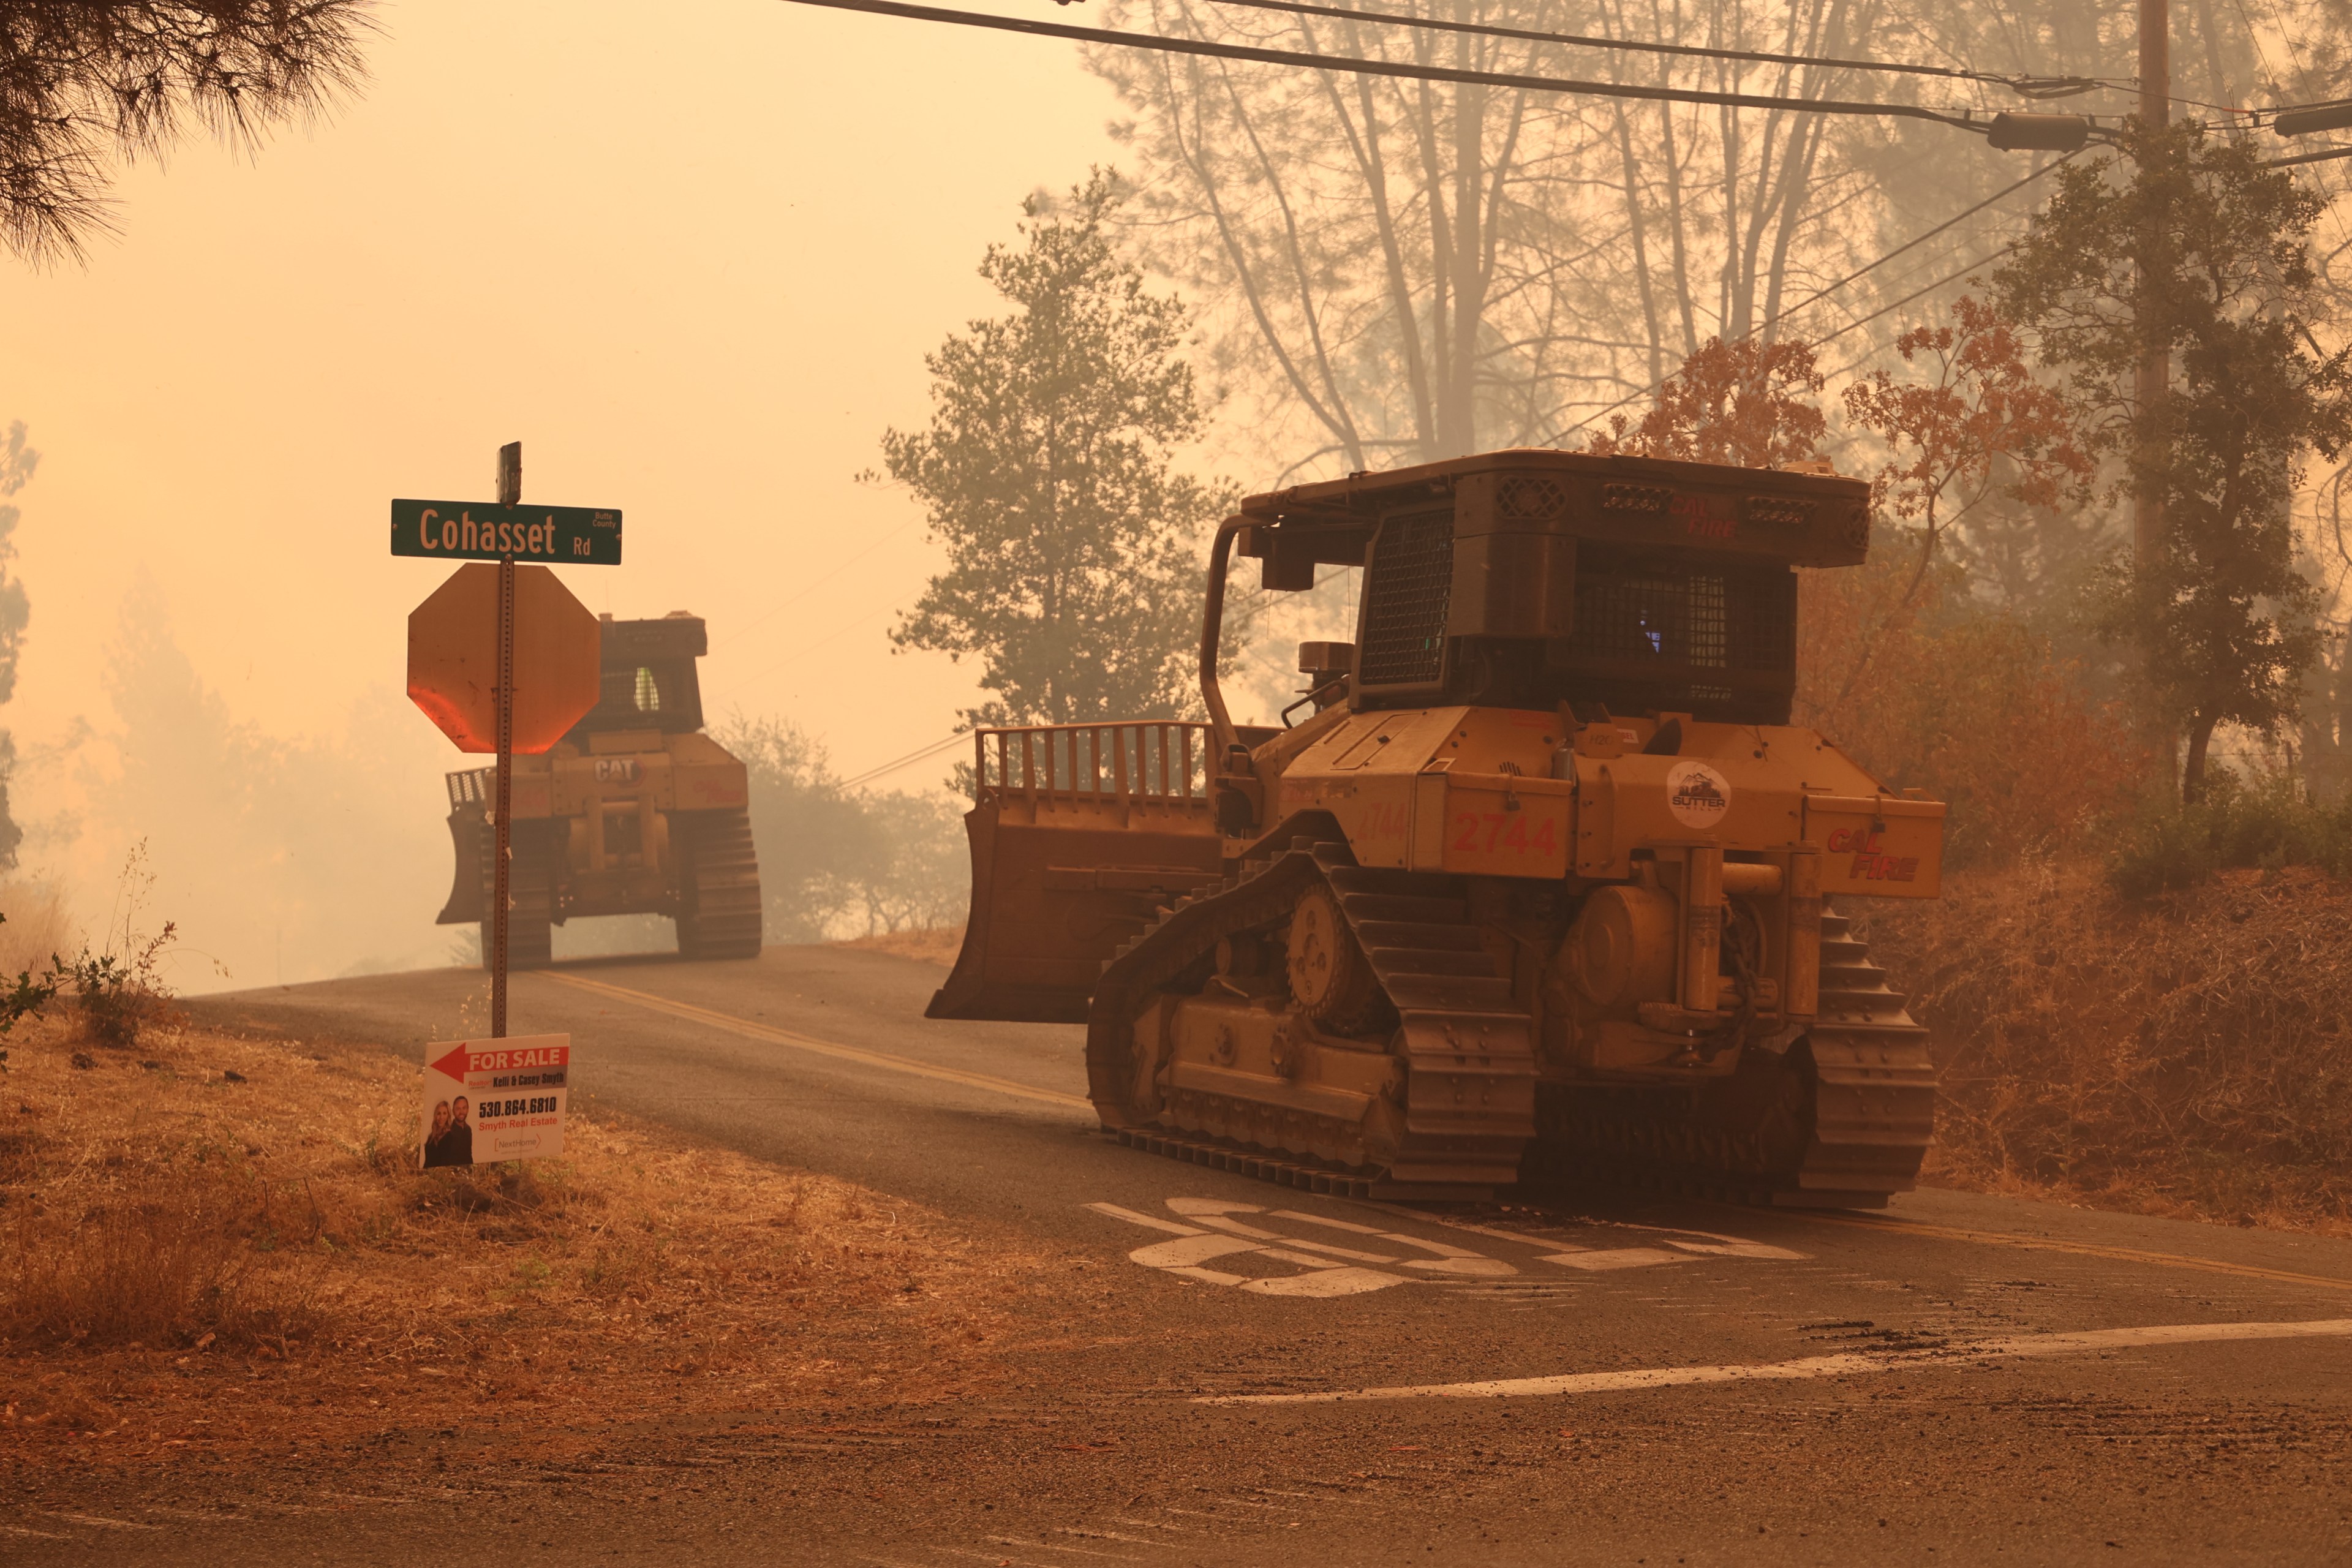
(1845, 1365)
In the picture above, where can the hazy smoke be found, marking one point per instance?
(281, 860)
(285, 860)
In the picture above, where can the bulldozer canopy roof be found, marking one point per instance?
(1800, 519)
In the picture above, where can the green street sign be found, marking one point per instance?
(485, 530)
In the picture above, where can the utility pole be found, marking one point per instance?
(2155, 363)
(2155, 360)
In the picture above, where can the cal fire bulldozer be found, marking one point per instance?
(635, 811)
(1542, 879)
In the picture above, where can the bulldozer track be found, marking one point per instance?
(1840, 1121)
(719, 914)
(531, 893)
(1258, 1167)
(1469, 1083)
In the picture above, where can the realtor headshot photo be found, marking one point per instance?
(450, 1140)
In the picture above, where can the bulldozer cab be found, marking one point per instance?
(650, 679)
(1530, 579)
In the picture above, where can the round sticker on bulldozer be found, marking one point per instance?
(1697, 794)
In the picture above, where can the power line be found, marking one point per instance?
(1916, 293)
(1360, 67)
(909, 761)
(2025, 86)
(1820, 294)
(859, 622)
(2329, 155)
(806, 589)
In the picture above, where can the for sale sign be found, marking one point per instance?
(494, 1099)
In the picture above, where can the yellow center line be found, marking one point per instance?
(815, 1047)
(2081, 1248)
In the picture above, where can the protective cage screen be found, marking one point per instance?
(1655, 626)
(1406, 592)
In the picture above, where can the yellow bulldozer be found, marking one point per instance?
(1540, 885)
(635, 811)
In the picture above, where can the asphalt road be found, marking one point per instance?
(1577, 1378)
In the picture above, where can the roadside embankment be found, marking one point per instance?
(931, 944)
(2188, 1055)
(221, 1247)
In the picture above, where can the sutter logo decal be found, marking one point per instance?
(1697, 794)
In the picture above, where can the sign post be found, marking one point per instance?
(502, 854)
(443, 670)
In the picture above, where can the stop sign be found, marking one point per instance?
(453, 659)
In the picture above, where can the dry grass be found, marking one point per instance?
(214, 1215)
(38, 927)
(2188, 1055)
(931, 944)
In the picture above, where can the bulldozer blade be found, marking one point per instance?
(1054, 897)
(465, 905)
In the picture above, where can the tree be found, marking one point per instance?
(1410, 271)
(832, 859)
(1745, 403)
(17, 462)
(2199, 250)
(78, 77)
(1978, 426)
(1047, 471)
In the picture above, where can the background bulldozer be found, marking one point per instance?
(1543, 877)
(634, 811)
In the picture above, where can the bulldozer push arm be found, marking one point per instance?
(1547, 873)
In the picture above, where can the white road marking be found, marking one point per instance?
(1600, 1259)
(1850, 1365)
(1308, 1259)
(1049, 1546)
(1144, 1220)
(1323, 1282)
(1708, 1242)
(1731, 1246)
(1328, 1220)
(1449, 1259)
(1219, 1213)
(1187, 1250)
(1219, 1235)
(1209, 1276)
(100, 1520)
(1217, 1230)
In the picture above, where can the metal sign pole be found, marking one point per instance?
(502, 889)
(501, 893)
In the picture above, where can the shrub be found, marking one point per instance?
(1967, 702)
(2189, 1054)
(118, 995)
(2266, 825)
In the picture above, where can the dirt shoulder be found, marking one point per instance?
(220, 1247)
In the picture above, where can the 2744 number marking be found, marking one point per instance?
(1488, 831)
